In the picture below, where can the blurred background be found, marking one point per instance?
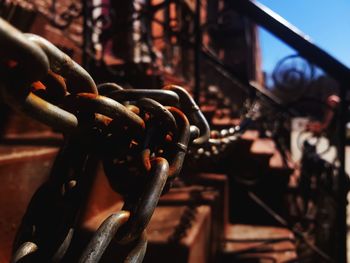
(271, 78)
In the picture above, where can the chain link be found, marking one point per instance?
(106, 233)
(141, 136)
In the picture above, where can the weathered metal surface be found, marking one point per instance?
(143, 207)
(24, 252)
(110, 108)
(158, 111)
(182, 141)
(193, 247)
(77, 78)
(193, 112)
(100, 204)
(61, 197)
(15, 46)
(103, 236)
(166, 97)
(148, 136)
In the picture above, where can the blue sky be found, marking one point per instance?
(326, 22)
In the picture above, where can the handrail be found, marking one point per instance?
(292, 36)
(301, 43)
(246, 85)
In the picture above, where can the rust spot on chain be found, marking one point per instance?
(38, 86)
(146, 159)
(133, 108)
(11, 63)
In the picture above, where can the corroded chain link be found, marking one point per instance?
(141, 136)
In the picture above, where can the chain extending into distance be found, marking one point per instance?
(141, 136)
(220, 141)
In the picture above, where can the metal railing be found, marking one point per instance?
(289, 34)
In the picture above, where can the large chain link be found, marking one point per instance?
(141, 136)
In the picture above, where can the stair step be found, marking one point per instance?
(208, 111)
(222, 123)
(250, 135)
(22, 170)
(263, 146)
(192, 247)
(44, 138)
(243, 232)
(268, 146)
(254, 243)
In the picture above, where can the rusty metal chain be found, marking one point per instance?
(220, 142)
(106, 233)
(141, 136)
(58, 202)
(215, 148)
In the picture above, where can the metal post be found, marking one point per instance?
(293, 37)
(197, 52)
(86, 34)
(167, 35)
(342, 181)
(296, 39)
